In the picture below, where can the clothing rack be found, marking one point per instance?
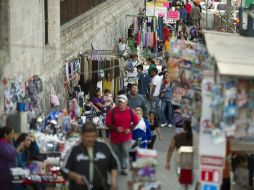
(139, 16)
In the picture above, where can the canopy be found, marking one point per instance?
(233, 53)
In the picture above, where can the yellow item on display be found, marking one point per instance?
(167, 46)
(107, 84)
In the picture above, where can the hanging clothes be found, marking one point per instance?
(160, 28)
(112, 68)
(95, 70)
(116, 85)
(90, 69)
(151, 36)
(107, 84)
(84, 66)
(143, 38)
(117, 69)
(139, 38)
(107, 70)
(154, 41)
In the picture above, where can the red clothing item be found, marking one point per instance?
(165, 33)
(121, 119)
(188, 7)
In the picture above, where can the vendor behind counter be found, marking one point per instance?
(30, 152)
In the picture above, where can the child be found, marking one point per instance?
(241, 172)
(108, 98)
(141, 134)
(154, 128)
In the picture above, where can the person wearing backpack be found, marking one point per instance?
(121, 120)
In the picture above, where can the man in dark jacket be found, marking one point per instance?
(88, 163)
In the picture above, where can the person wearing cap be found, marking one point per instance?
(121, 120)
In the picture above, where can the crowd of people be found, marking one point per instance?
(133, 118)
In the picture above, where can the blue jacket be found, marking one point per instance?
(143, 135)
(28, 154)
(143, 83)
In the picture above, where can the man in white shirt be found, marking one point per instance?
(155, 92)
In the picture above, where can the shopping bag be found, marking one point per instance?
(54, 100)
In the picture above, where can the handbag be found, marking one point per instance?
(54, 100)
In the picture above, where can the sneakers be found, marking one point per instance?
(170, 125)
(163, 125)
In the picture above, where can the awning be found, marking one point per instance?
(233, 53)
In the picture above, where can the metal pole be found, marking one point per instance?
(206, 17)
(228, 14)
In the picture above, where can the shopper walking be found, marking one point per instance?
(152, 65)
(166, 95)
(131, 64)
(136, 100)
(121, 120)
(87, 164)
(195, 15)
(154, 128)
(188, 11)
(181, 27)
(155, 92)
(182, 139)
(143, 82)
(183, 13)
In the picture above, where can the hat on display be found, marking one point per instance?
(122, 98)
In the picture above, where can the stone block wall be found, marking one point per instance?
(101, 26)
(25, 52)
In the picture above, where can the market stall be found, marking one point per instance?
(227, 108)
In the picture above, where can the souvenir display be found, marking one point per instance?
(143, 168)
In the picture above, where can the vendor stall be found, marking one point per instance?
(227, 111)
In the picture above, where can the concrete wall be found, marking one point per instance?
(101, 26)
(4, 38)
(26, 52)
(26, 37)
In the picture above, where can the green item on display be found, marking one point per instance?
(247, 3)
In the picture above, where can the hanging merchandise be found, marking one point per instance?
(54, 101)
(144, 33)
(32, 88)
(13, 93)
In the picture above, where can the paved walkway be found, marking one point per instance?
(168, 179)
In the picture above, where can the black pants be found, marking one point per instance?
(225, 184)
(100, 133)
(151, 144)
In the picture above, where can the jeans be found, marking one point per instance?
(122, 152)
(155, 107)
(168, 105)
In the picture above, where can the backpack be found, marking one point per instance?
(131, 114)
